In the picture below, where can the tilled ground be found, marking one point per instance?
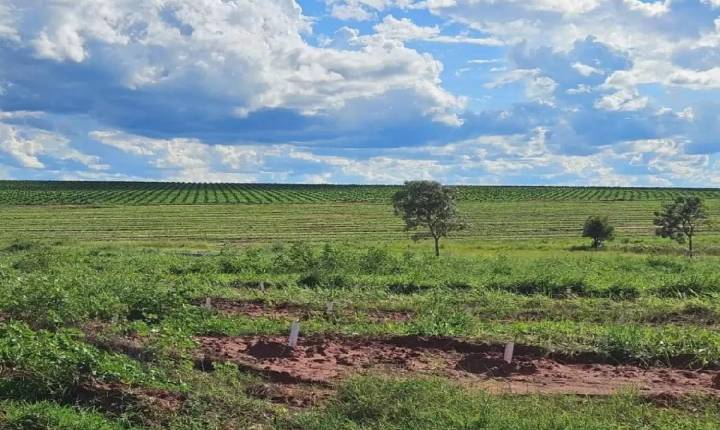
(322, 360)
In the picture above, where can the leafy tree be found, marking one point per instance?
(428, 204)
(599, 229)
(680, 220)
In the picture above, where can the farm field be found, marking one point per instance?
(523, 223)
(168, 193)
(134, 313)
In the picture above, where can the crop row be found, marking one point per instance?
(320, 221)
(167, 193)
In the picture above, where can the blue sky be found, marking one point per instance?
(570, 92)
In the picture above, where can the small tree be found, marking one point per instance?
(680, 220)
(599, 229)
(428, 204)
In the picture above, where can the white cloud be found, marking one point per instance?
(650, 33)
(27, 145)
(706, 79)
(537, 88)
(404, 29)
(7, 23)
(586, 70)
(354, 12)
(194, 160)
(378, 170)
(655, 8)
(622, 100)
(486, 61)
(247, 54)
(363, 10)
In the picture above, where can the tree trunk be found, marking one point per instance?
(690, 245)
(437, 246)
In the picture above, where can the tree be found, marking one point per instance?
(428, 204)
(680, 220)
(599, 229)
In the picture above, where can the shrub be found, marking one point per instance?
(21, 245)
(37, 259)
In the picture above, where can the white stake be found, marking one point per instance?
(208, 303)
(329, 307)
(262, 286)
(509, 349)
(294, 333)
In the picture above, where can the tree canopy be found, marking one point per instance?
(599, 229)
(680, 219)
(428, 204)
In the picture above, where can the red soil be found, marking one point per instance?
(117, 397)
(324, 360)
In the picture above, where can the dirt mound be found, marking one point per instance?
(268, 349)
(494, 366)
(324, 360)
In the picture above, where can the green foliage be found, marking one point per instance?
(55, 364)
(168, 193)
(599, 229)
(37, 258)
(680, 220)
(419, 404)
(428, 204)
(442, 319)
(52, 416)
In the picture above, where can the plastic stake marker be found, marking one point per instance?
(294, 333)
(208, 303)
(262, 286)
(329, 307)
(509, 349)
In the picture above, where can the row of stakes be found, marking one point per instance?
(330, 307)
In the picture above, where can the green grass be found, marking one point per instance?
(53, 416)
(526, 224)
(432, 404)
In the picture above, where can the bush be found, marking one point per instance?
(38, 259)
(376, 260)
(50, 363)
(320, 279)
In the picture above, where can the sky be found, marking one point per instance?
(514, 92)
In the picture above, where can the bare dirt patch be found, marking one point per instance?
(291, 311)
(325, 360)
(117, 398)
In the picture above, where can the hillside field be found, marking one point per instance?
(168, 306)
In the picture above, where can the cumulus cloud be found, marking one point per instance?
(363, 10)
(194, 160)
(404, 29)
(622, 101)
(30, 146)
(240, 55)
(611, 92)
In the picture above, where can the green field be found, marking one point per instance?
(105, 323)
(159, 193)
